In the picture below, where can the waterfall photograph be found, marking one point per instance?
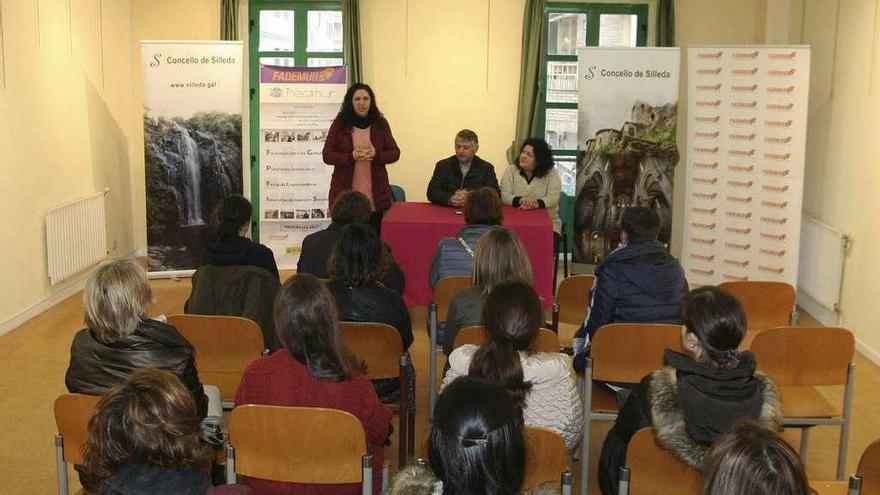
(191, 165)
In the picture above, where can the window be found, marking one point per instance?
(289, 34)
(569, 26)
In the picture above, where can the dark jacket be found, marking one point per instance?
(451, 258)
(239, 251)
(246, 291)
(338, 150)
(447, 179)
(140, 479)
(96, 366)
(689, 404)
(316, 249)
(638, 283)
(373, 304)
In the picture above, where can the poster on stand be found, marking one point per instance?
(747, 122)
(192, 144)
(297, 106)
(627, 151)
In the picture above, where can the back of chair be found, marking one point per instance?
(805, 356)
(72, 415)
(767, 304)
(545, 340)
(573, 296)
(377, 344)
(546, 457)
(869, 469)
(626, 352)
(297, 444)
(225, 346)
(445, 289)
(655, 471)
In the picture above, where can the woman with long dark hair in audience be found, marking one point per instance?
(144, 439)
(751, 459)
(231, 246)
(312, 370)
(697, 395)
(540, 383)
(120, 337)
(359, 145)
(533, 183)
(499, 257)
(357, 264)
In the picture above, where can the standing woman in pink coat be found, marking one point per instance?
(359, 144)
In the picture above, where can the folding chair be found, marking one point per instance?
(545, 340)
(546, 458)
(800, 359)
(570, 308)
(380, 347)
(72, 414)
(652, 470)
(298, 445)
(445, 289)
(767, 305)
(621, 353)
(225, 346)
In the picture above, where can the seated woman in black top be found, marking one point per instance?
(230, 247)
(357, 264)
(696, 396)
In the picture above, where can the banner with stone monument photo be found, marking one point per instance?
(627, 151)
(192, 144)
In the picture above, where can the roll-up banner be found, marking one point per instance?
(192, 144)
(297, 106)
(747, 122)
(627, 117)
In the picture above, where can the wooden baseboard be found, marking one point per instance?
(57, 295)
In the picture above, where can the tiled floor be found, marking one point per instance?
(34, 357)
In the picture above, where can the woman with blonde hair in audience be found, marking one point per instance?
(697, 395)
(499, 257)
(313, 370)
(120, 337)
(144, 439)
(750, 459)
(541, 382)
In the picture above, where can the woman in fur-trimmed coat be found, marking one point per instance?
(696, 396)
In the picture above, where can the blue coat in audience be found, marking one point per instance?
(451, 257)
(637, 283)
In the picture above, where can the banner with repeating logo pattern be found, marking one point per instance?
(747, 122)
(297, 106)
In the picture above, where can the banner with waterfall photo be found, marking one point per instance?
(192, 144)
(747, 131)
(297, 106)
(627, 151)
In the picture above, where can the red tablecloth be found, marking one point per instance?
(413, 231)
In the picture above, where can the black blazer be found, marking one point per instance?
(447, 179)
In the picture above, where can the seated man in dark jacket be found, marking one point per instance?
(349, 207)
(461, 173)
(639, 282)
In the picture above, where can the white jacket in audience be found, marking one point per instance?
(553, 401)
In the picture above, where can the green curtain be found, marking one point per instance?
(229, 20)
(529, 75)
(665, 23)
(351, 36)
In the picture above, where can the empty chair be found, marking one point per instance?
(379, 346)
(546, 457)
(800, 359)
(298, 445)
(869, 469)
(72, 413)
(224, 345)
(545, 340)
(570, 308)
(445, 289)
(767, 304)
(655, 471)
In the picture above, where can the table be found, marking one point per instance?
(413, 230)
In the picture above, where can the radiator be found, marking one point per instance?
(76, 236)
(822, 253)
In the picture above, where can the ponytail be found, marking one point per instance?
(499, 362)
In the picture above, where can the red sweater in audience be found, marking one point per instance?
(281, 380)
